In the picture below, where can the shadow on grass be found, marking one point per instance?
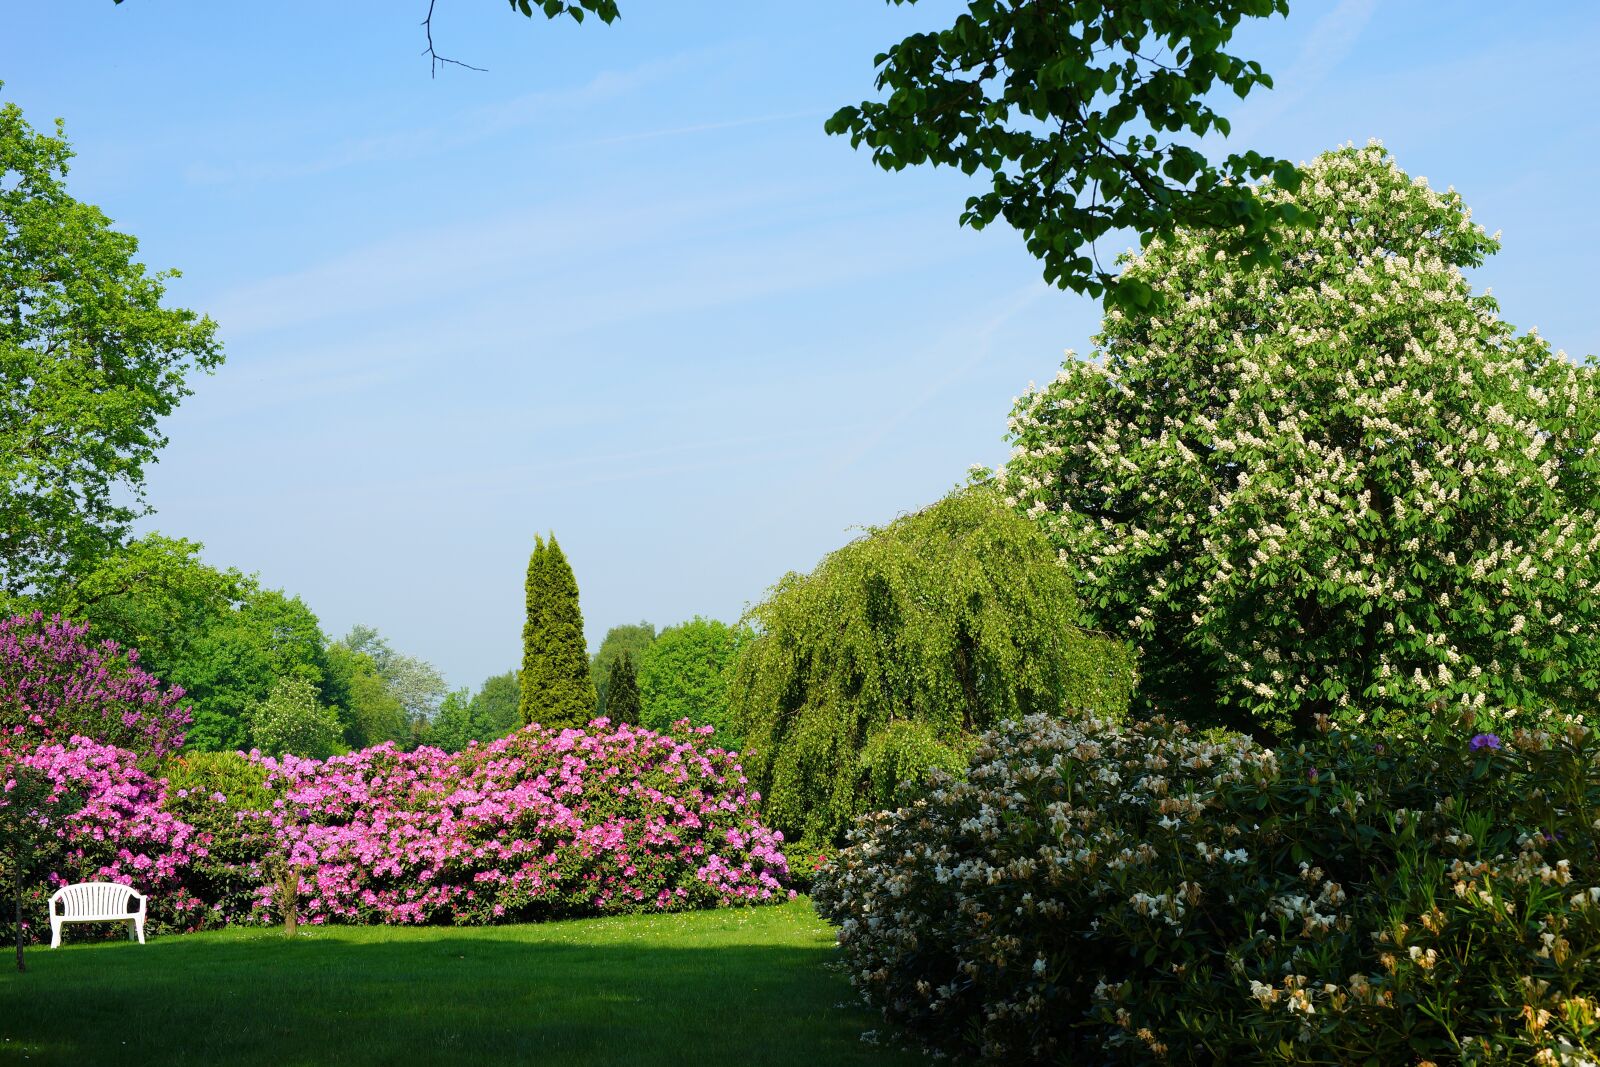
(430, 997)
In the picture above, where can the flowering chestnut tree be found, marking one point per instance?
(1334, 483)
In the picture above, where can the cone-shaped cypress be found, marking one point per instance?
(531, 681)
(622, 692)
(556, 687)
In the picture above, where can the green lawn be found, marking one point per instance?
(748, 987)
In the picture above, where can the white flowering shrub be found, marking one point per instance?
(1334, 483)
(1094, 893)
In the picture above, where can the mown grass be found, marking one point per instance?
(748, 987)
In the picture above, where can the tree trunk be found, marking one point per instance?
(17, 885)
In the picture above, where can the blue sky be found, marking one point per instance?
(622, 287)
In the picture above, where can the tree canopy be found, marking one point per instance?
(630, 639)
(1337, 483)
(90, 361)
(683, 674)
(899, 649)
(1077, 113)
(464, 718)
(1084, 116)
(415, 684)
(622, 688)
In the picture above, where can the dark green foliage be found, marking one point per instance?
(234, 665)
(556, 689)
(898, 649)
(630, 638)
(31, 813)
(1076, 111)
(605, 10)
(90, 362)
(195, 781)
(463, 719)
(369, 713)
(622, 692)
(684, 675)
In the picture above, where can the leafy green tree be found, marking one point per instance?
(464, 718)
(415, 684)
(901, 647)
(155, 595)
(234, 665)
(1335, 484)
(622, 689)
(452, 728)
(292, 719)
(32, 812)
(495, 705)
(683, 674)
(629, 639)
(369, 712)
(557, 690)
(90, 362)
(1077, 113)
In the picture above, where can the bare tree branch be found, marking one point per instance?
(434, 58)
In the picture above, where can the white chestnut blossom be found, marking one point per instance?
(1334, 483)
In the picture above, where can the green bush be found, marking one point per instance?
(224, 796)
(899, 649)
(1096, 893)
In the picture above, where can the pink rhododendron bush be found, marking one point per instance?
(120, 833)
(55, 682)
(1094, 893)
(539, 824)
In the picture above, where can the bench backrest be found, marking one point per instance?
(96, 898)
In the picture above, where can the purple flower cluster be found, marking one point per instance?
(540, 824)
(537, 824)
(56, 683)
(121, 833)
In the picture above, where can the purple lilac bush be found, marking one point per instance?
(56, 683)
(540, 824)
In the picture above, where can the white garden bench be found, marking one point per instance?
(91, 902)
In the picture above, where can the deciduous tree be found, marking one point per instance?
(90, 361)
(899, 649)
(1337, 483)
(683, 674)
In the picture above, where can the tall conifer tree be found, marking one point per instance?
(532, 680)
(622, 692)
(557, 689)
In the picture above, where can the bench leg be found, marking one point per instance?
(55, 932)
(138, 924)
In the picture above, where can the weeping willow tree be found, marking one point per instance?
(901, 647)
